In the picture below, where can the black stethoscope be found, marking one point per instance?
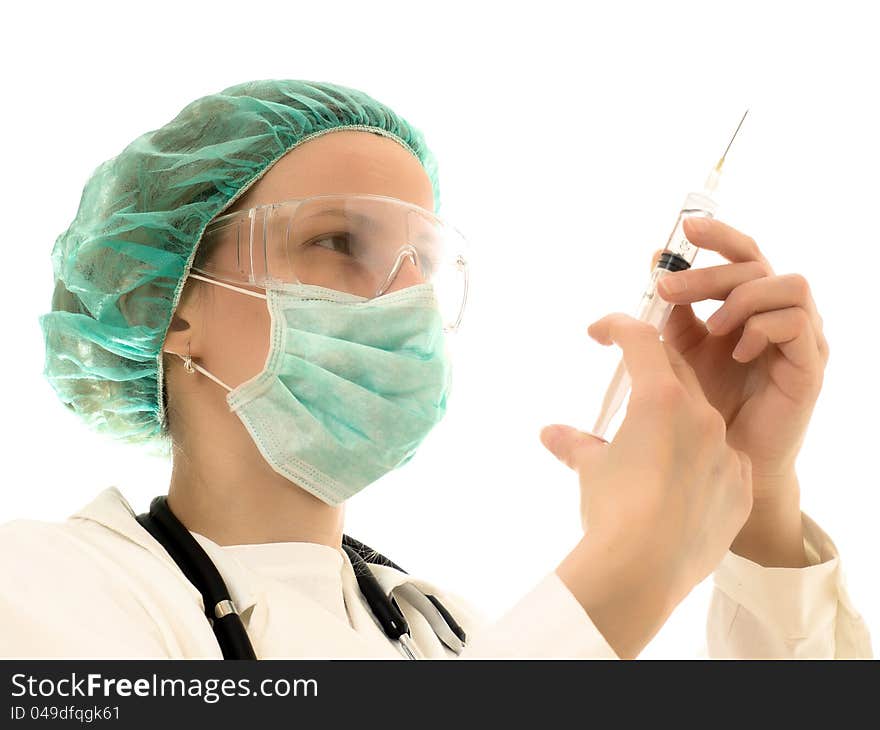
(222, 614)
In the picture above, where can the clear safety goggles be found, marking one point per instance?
(365, 245)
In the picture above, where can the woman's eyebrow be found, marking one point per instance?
(364, 220)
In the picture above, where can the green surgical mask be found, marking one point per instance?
(351, 386)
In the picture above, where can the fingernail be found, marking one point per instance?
(716, 320)
(673, 284)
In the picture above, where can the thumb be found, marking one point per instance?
(572, 447)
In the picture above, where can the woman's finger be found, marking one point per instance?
(683, 328)
(655, 257)
(711, 282)
(685, 373)
(789, 329)
(717, 282)
(638, 339)
(762, 295)
(748, 264)
(716, 236)
(644, 355)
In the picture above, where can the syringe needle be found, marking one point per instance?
(721, 161)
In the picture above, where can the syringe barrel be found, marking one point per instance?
(695, 204)
(679, 254)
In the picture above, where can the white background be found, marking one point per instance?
(567, 138)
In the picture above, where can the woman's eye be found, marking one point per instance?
(339, 242)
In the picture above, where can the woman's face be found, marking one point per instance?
(228, 332)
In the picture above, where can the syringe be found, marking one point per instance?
(679, 254)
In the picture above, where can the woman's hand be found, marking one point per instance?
(661, 504)
(760, 360)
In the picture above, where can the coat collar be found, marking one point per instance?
(112, 510)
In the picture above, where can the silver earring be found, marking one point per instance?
(187, 361)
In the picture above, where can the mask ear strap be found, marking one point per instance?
(206, 373)
(187, 360)
(191, 367)
(229, 286)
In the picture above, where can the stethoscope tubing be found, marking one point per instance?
(220, 611)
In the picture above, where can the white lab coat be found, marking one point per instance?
(99, 586)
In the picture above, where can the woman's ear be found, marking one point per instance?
(178, 337)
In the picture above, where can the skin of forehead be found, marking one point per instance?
(344, 162)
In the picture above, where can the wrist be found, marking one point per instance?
(626, 597)
(772, 535)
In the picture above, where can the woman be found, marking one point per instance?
(262, 287)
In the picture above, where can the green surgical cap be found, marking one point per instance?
(121, 265)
